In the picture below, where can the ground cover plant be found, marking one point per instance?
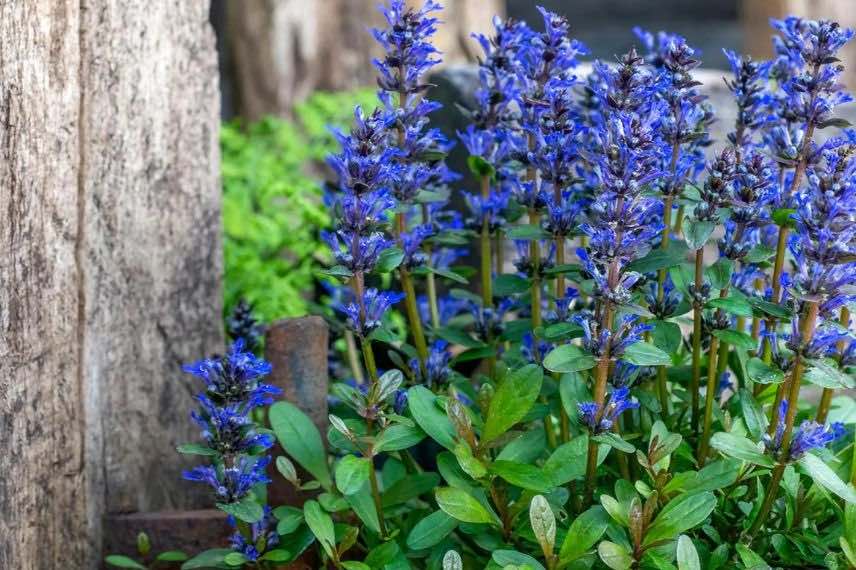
(624, 382)
(273, 203)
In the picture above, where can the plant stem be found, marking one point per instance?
(378, 503)
(499, 250)
(413, 318)
(368, 358)
(601, 375)
(353, 360)
(661, 293)
(679, 221)
(486, 281)
(709, 397)
(430, 282)
(696, 366)
(564, 420)
(535, 257)
(808, 323)
(826, 397)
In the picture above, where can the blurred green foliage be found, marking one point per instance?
(272, 202)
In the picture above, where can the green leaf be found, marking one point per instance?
(735, 305)
(289, 518)
(823, 475)
(247, 509)
(208, 559)
(739, 448)
(431, 530)
(409, 488)
(750, 559)
(762, 373)
(584, 533)
(736, 339)
(509, 284)
(645, 354)
(697, 232)
(720, 273)
(521, 475)
(760, 253)
(527, 232)
(422, 404)
(614, 555)
(512, 558)
(568, 462)
(457, 336)
(768, 308)
(680, 515)
(826, 374)
(321, 526)
(687, 554)
(569, 358)
(389, 259)
(753, 415)
(123, 562)
(277, 555)
(656, 259)
(614, 440)
(513, 399)
(299, 437)
(352, 472)
(784, 217)
(666, 336)
(362, 503)
(235, 559)
(480, 167)
(171, 556)
(397, 437)
(447, 274)
(462, 506)
(196, 449)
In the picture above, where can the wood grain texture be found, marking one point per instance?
(151, 239)
(42, 491)
(110, 259)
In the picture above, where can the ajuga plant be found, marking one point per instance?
(652, 367)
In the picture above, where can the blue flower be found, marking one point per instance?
(228, 429)
(810, 435)
(411, 244)
(534, 351)
(748, 88)
(234, 378)
(364, 164)
(487, 321)
(448, 307)
(561, 313)
(599, 421)
(437, 365)
(358, 253)
(231, 484)
(672, 297)
(366, 314)
(526, 265)
(491, 208)
(262, 536)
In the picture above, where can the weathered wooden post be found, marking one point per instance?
(109, 264)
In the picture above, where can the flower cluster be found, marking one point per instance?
(233, 389)
(810, 435)
(600, 419)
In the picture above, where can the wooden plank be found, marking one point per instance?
(151, 242)
(42, 493)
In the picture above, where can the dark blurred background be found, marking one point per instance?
(274, 53)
